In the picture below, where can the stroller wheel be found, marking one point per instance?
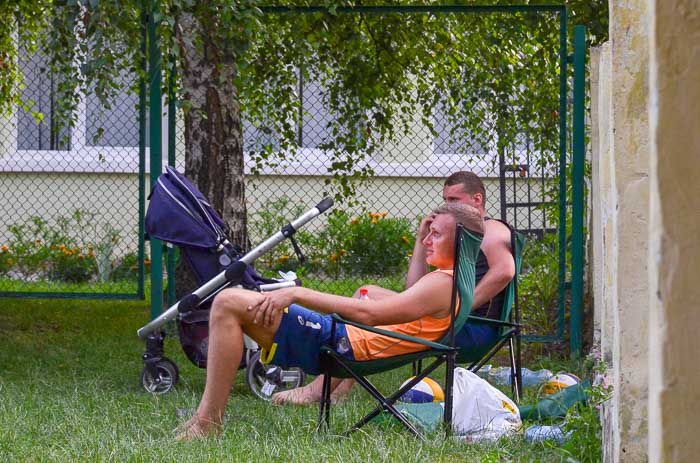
(265, 380)
(164, 380)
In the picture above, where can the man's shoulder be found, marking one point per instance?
(496, 228)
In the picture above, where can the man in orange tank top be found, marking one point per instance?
(291, 335)
(495, 269)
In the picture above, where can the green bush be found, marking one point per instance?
(127, 268)
(538, 287)
(6, 260)
(72, 265)
(275, 214)
(371, 244)
(377, 245)
(71, 249)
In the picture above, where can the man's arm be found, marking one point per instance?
(418, 268)
(429, 296)
(496, 248)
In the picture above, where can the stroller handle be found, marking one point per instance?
(220, 280)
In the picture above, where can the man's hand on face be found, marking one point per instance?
(424, 227)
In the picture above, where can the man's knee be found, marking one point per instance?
(232, 303)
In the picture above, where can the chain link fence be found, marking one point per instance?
(70, 190)
(71, 193)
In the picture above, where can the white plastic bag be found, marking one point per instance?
(480, 411)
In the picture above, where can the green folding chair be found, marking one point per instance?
(509, 325)
(444, 351)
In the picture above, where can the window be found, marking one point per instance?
(40, 95)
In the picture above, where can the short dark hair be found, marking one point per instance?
(471, 183)
(468, 216)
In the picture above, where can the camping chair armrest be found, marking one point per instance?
(490, 321)
(391, 334)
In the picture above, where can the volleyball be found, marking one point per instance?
(425, 390)
(558, 382)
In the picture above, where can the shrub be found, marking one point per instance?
(71, 249)
(538, 287)
(275, 214)
(377, 245)
(371, 244)
(7, 260)
(73, 265)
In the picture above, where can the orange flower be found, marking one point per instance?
(370, 215)
(81, 257)
(4, 248)
(405, 239)
(342, 252)
(62, 247)
(283, 258)
(91, 254)
(145, 262)
(354, 221)
(383, 214)
(375, 221)
(333, 257)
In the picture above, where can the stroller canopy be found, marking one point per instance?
(180, 214)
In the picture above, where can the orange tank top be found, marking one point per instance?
(369, 346)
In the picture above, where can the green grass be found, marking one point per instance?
(8, 285)
(69, 389)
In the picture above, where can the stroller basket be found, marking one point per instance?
(179, 214)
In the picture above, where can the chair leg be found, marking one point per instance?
(417, 367)
(385, 404)
(324, 413)
(515, 387)
(449, 381)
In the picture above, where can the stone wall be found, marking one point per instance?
(646, 163)
(674, 258)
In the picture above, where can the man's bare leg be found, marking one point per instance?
(228, 320)
(340, 388)
(305, 395)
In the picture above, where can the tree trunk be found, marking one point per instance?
(213, 133)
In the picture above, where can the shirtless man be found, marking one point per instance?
(292, 335)
(494, 270)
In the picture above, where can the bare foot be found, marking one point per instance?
(342, 391)
(300, 396)
(197, 428)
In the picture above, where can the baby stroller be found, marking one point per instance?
(180, 215)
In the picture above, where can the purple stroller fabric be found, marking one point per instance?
(178, 213)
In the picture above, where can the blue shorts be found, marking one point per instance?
(474, 336)
(298, 340)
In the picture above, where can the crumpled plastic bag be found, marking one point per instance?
(480, 411)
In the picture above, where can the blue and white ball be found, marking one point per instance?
(425, 390)
(558, 382)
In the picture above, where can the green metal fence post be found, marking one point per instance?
(562, 170)
(172, 252)
(579, 147)
(155, 130)
(142, 154)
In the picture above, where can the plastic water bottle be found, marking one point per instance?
(541, 433)
(364, 293)
(501, 376)
(484, 371)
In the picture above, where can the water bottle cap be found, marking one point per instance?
(364, 291)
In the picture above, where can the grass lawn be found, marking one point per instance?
(69, 389)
